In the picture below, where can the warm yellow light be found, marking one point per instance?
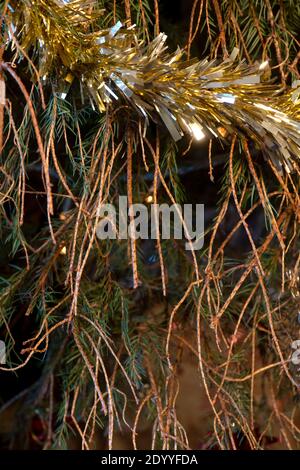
(149, 198)
(63, 251)
(222, 131)
(264, 65)
(197, 131)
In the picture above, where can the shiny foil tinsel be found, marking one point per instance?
(201, 98)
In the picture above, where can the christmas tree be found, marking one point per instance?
(149, 287)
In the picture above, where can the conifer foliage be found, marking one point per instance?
(161, 102)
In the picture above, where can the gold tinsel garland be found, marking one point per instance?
(196, 97)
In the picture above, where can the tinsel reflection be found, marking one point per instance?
(201, 98)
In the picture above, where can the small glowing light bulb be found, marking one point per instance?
(197, 131)
(149, 198)
(263, 65)
(223, 131)
(63, 251)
